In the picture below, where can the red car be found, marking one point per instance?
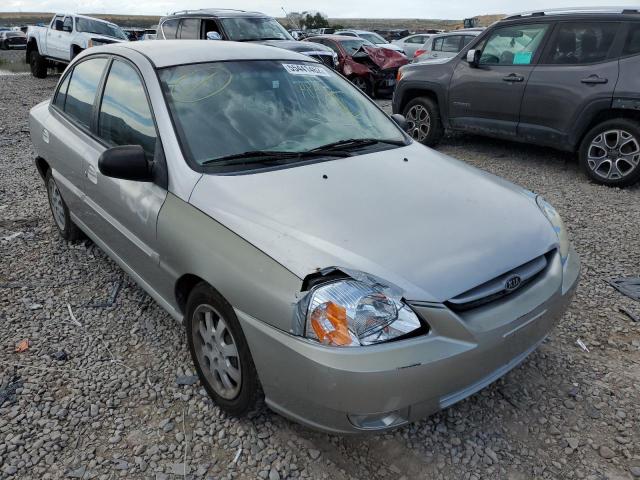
(370, 68)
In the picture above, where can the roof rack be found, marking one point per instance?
(181, 12)
(567, 11)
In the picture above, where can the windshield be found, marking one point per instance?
(373, 38)
(352, 46)
(229, 108)
(244, 29)
(100, 28)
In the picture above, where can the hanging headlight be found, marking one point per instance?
(349, 312)
(558, 225)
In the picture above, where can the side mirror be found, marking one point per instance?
(58, 25)
(126, 162)
(400, 121)
(213, 36)
(473, 57)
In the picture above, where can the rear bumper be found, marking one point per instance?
(347, 390)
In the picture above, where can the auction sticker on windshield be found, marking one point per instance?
(300, 69)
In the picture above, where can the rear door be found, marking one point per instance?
(122, 212)
(487, 98)
(575, 77)
(55, 37)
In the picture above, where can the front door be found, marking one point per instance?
(577, 73)
(122, 212)
(487, 98)
(56, 37)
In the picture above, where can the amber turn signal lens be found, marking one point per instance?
(329, 322)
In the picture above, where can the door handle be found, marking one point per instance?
(594, 79)
(513, 78)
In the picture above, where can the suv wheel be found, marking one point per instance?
(610, 153)
(423, 121)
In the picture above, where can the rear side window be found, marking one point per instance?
(437, 44)
(451, 44)
(190, 29)
(466, 40)
(632, 43)
(61, 96)
(82, 90)
(580, 43)
(125, 115)
(169, 28)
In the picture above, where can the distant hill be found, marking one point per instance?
(412, 24)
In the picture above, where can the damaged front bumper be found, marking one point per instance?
(347, 390)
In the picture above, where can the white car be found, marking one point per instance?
(373, 37)
(445, 45)
(412, 43)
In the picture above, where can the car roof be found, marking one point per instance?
(217, 12)
(166, 53)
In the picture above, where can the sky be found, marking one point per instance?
(333, 8)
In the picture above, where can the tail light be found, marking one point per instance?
(418, 53)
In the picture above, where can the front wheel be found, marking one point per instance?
(38, 64)
(220, 351)
(363, 83)
(610, 153)
(423, 121)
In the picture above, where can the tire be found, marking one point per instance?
(363, 84)
(423, 121)
(208, 340)
(610, 153)
(38, 64)
(3, 46)
(60, 212)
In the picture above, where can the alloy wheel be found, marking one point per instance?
(217, 351)
(418, 122)
(57, 204)
(613, 154)
(361, 83)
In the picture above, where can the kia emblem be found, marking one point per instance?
(512, 283)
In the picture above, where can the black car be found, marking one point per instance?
(567, 79)
(238, 26)
(10, 40)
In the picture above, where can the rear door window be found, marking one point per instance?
(581, 43)
(451, 44)
(632, 43)
(125, 116)
(68, 24)
(437, 44)
(83, 86)
(190, 29)
(61, 96)
(169, 29)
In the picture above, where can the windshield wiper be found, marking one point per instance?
(272, 156)
(357, 143)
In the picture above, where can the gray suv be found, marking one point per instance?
(567, 79)
(238, 26)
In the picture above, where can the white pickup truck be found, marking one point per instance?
(65, 37)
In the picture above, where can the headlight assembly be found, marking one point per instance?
(558, 225)
(355, 312)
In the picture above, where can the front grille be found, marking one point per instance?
(501, 286)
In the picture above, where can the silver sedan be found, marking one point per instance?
(315, 254)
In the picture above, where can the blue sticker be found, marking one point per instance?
(522, 58)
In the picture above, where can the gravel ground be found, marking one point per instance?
(100, 391)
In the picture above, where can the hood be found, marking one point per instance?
(296, 46)
(385, 58)
(434, 226)
(106, 38)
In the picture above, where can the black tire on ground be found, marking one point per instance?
(75, 52)
(2, 45)
(38, 64)
(363, 83)
(203, 298)
(423, 121)
(60, 212)
(610, 153)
